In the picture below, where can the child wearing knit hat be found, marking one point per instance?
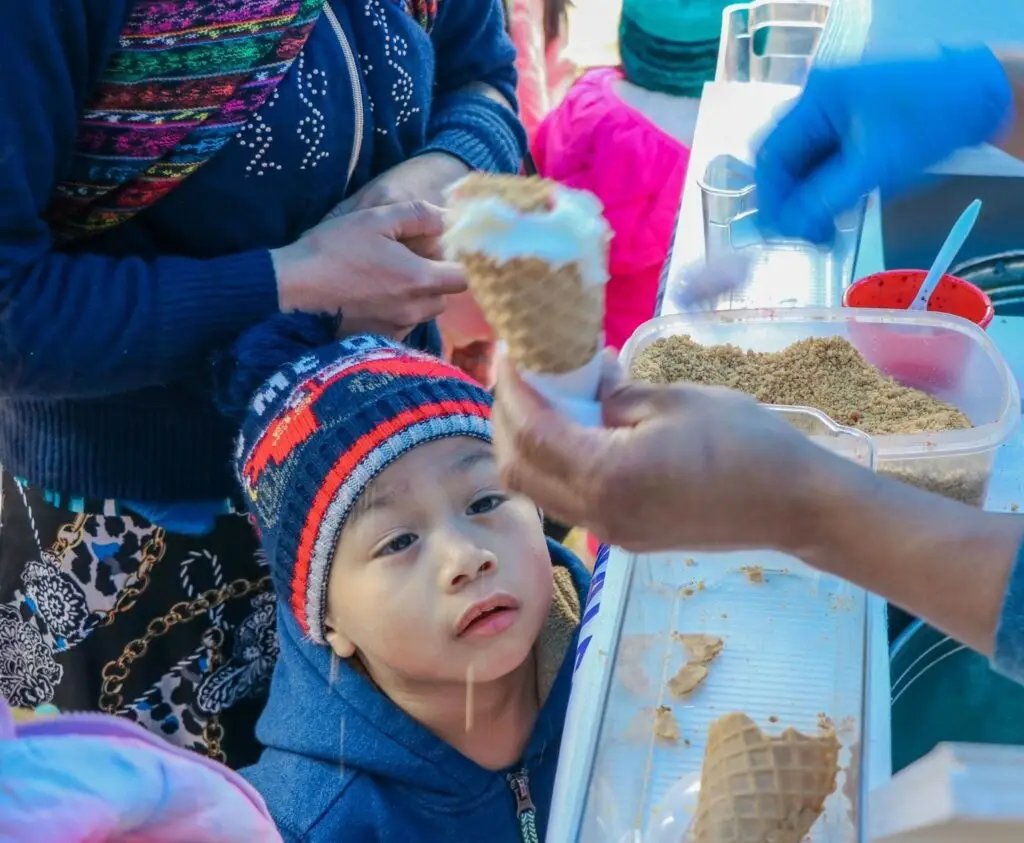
(625, 134)
(427, 629)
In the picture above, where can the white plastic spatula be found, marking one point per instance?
(958, 235)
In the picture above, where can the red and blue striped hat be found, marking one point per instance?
(321, 429)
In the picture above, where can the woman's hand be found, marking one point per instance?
(421, 179)
(425, 178)
(675, 466)
(358, 264)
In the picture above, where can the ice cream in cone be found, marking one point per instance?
(536, 259)
(756, 788)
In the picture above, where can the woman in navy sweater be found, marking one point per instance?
(175, 171)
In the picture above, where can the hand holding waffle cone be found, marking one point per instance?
(536, 260)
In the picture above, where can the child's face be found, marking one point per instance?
(439, 572)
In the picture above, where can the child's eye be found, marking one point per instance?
(398, 544)
(485, 504)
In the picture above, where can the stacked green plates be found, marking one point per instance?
(943, 691)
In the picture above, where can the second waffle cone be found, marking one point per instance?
(757, 788)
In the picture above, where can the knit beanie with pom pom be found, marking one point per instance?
(320, 419)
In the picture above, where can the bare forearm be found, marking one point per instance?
(941, 560)
(1013, 141)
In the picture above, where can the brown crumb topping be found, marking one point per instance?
(666, 727)
(827, 374)
(753, 573)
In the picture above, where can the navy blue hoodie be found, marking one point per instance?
(344, 763)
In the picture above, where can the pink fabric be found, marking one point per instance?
(92, 778)
(597, 142)
(544, 76)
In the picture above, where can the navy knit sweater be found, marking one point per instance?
(104, 347)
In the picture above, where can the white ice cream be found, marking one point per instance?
(574, 231)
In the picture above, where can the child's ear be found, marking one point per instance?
(342, 646)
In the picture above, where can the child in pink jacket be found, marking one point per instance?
(625, 135)
(94, 778)
(537, 28)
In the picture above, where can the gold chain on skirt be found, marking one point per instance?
(115, 673)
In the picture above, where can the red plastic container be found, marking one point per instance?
(895, 289)
(919, 360)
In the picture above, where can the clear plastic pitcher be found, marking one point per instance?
(784, 273)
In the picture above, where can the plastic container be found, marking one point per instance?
(911, 358)
(770, 41)
(895, 289)
(793, 654)
(783, 273)
(957, 463)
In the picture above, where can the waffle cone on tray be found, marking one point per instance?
(756, 788)
(536, 259)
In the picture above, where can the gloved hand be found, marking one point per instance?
(870, 125)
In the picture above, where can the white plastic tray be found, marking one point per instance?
(793, 651)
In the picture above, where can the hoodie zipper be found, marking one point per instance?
(357, 90)
(526, 811)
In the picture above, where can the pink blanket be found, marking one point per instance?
(91, 778)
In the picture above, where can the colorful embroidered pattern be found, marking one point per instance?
(424, 12)
(187, 76)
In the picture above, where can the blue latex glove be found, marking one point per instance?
(875, 124)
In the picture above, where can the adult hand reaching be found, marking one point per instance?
(681, 467)
(880, 123)
(426, 178)
(423, 178)
(357, 264)
(675, 466)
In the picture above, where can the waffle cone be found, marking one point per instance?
(548, 318)
(760, 789)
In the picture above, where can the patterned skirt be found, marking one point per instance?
(102, 610)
